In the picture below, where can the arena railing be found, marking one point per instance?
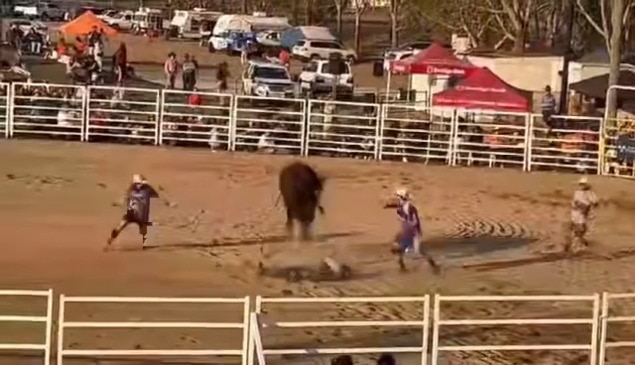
(409, 132)
(64, 325)
(47, 110)
(5, 107)
(44, 347)
(607, 318)
(591, 320)
(420, 306)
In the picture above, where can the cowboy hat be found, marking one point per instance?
(583, 181)
(402, 193)
(138, 179)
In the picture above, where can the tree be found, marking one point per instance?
(512, 18)
(360, 7)
(395, 9)
(612, 23)
(339, 8)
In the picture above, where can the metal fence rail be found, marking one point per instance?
(46, 318)
(47, 110)
(5, 106)
(63, 325)
(422, 323)
(117, 114)
(413, 134)
(491, 139)
(607, 318)
(195, 119)
(341, 129)
(591, 320)
(384, 131)
(270, 125)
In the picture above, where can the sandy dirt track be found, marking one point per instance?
(57, 207)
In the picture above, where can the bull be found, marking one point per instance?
(301, 190)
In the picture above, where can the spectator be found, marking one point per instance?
(120, 62)
(189, 73)
(386, 359)
(94, 38)
(548, 107)
(35, 40)
(14, 36)
(80, 46)
(194, 99)
(222, 74)
(285, 57)
(171, 68)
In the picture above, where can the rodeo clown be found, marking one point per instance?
(408, 239)
(137, 202)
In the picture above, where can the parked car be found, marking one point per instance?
(268, 38)
(313, 49)
(27, 25)
(316, 77)
(120, 20)
(404, 51)
(41, 10)
(262, 78)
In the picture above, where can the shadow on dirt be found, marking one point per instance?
(465, 247)
(252, 241)
(314, 274)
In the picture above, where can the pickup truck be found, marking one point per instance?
(44, 11)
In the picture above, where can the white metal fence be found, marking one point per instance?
(421, 324)
(606, 318)
(592, 320)
(5, 103)
(195, 119)
(64, 324)
(601, 314)
(117, 114)
(47, 110)
(270, 125)
(384, 131)
(45, 318)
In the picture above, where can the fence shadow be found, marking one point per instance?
(242, 242)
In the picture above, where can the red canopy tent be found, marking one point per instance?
(483, 90)
(434, 60)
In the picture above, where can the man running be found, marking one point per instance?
(137, 200)
(583, 202)
(408, 239)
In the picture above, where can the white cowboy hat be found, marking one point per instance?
(402, 193)
(138, 179)
(583, 181)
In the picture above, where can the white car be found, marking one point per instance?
(313, 49)
(316, 76)
(262, 78)
(268, 38)
(26, 25)
(121, 20)
(397, 55)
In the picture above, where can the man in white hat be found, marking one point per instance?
(408, 239)
(137, 201)
(582, 204)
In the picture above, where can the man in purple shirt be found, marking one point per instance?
(137, 198)
(409, 236)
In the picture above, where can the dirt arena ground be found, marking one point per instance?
(58, 206)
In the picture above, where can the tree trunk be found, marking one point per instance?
(308, 12)
(358, 31)
(520, 38)
(615, 53)
(394, 41)
(244, 6)
(294, 12)
(338, 8)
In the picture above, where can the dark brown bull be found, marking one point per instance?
(301, 189)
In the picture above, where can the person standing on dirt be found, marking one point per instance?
(189, 73)
(583, 202)
(222, 74)
(408, 240)
(137, 199)
(171, 68)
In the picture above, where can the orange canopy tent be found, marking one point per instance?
(84, 23)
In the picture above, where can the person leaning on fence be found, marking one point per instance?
(548, 108)
(583, 202)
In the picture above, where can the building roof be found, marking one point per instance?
(596, 87)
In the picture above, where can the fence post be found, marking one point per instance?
(11, 109)
(604, 315)
(86, 122)
(434, 353)
(530, 143)
(161, 116)
(308, 118)
(304, 130)
(157, 129)
(454, 135)
(379, 130)
(232, 123)
(527, 151)
(60, 330)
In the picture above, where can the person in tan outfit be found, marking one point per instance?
(583, 202)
